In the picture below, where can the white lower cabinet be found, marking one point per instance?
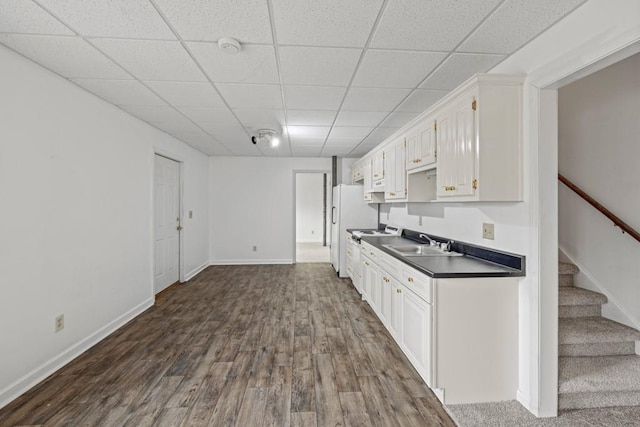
(461, 335)
(415, 317)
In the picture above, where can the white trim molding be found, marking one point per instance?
(193, 273)
(29, 380)
(251, 261)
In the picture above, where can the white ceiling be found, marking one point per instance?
(335, 77)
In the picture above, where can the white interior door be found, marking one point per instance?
(166, 222)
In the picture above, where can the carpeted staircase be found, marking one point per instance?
(598, 365)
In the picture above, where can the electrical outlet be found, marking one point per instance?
(255, 248)
(313, 231)
(420, 220)
(190, 214)
(487, 231)
(59, 323)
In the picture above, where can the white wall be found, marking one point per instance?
(309, 207)
(252, 205)
(76, 219)
(598, 150)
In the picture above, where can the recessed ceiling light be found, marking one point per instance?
(229, 45)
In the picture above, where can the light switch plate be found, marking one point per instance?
(487, 231)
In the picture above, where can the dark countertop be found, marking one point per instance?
(463, 266)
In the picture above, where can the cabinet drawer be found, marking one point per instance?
(370, 252)
(419, 283)
(390, 265)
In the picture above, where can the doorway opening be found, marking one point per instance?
(166, 222)
(312, 226)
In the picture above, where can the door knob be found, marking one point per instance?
(179, 228)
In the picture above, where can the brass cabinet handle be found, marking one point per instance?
(409, 279)
(367, 264)
(372, 253)
(179, 228)
(399, 291)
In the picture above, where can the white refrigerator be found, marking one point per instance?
(348, 210)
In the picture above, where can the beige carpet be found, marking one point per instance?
(312, 252)
(511, 413)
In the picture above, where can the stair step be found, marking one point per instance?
(587, 330)
(578, 296)
(579, 311)
(598, 382)
(598, 349)
(565, 280)
(566, 268)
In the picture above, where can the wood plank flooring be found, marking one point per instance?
(272, 345)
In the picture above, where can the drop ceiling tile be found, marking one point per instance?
(392, 68)
(458, 68)
(359, 118)
(435, 25)
(220, 116)
(397, 119)
(178, 126)
(420, 100)
(253, 64)
(228, 135)
(318, 65)
(313, 97)
(206, 20)
(251, 96)
(152, 59)
(350, 132)
(379, 135)
(113, 18)
(373, 99)
(26, 17)
(243, 149)
(335, 151)
(206, 144)
(310, 117)
(121, 92)
(343, 142)
(306, 150)
(187, 94)
(516, 22)
(252, 118)
(308, 142)
(308, 132)
(68, 56)
(153, 113)
(326, 22)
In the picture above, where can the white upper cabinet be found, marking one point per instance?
(421, 145)
(396, 174)
(479, 140)
(467, 147)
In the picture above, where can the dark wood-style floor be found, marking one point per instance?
(271, 345)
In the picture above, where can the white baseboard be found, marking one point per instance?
(11, 392)
(195, 272)
(616, 311)
(523, 399)
(251, 261)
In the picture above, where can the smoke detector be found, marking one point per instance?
(229, 45)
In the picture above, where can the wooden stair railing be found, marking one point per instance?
(626, 228)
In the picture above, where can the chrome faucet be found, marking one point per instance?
(431, 241)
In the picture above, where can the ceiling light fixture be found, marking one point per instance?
(268, 136)
(229, 45)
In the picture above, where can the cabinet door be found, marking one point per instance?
(416, 332)
(376, 284)
(397, 296)
(426, 143)
(368, 183)
(385, 299)
(396, 174)
(465, 145)
(413, 150)
(456, 140)
(366, 279)
(378, 166)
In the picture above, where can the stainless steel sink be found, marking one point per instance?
(420, 250)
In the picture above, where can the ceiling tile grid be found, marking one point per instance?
(333, 77)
